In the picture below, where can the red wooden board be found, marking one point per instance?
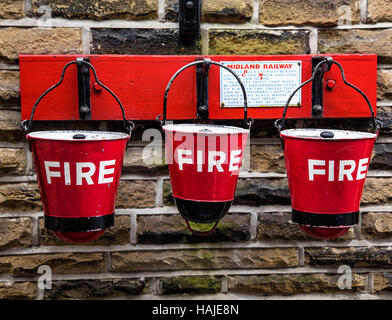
(140, 82)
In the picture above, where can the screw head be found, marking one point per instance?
(97, 87)
(189, 4)
(331, 84)
(317, 108)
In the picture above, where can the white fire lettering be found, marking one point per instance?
(343, 171)
(235, 160)
(215, 159)
(346, 169)
(182, 160)
(67, 174)
(80, 175)
(313, 171)
(362, 167)
(49, 173)
(84, 171)
(103, 171)
(214, 162)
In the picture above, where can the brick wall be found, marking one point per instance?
(256, 250)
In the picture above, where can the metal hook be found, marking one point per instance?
(26, 125)
(279, 123)
(248, 121)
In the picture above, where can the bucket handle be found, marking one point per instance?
(247, 120)
(279, 123)
(199, 233)
(26, 125)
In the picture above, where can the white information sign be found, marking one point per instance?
(267, 83)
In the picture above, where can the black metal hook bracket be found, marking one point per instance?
(84, 89)
(248, 121)
(189, 12)
(202, 71)
(279, 123)
(318, 84)
(26, 125)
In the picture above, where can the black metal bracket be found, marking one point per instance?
(248, 121)
(84, 89)
(318, 85)
(202, 71)
(26, 125)
(189, 12)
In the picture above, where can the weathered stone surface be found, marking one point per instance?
(376, 225)
(101, 9)
(384, 84)
(18, 290)
(292, 284)
(251, 191)
(141, 41)
(384, 114)
(379, 11)
(9, 120)
(171, 10)
(355, 256)
(144, 160)
(12, 161)
(308, 12)
(15, 232)
(216, 11)
(118, 234)
(274, 226)
(14, 41)
(258, 42)
(136, 194)
(382, 158)
(12, 9)
(20, 197)
(357, 41)
(9, 126)
(262, 191)
(190, 285)
(226, 10)
(9, 87)
(153, 229)
(382, 282)
(278, 226)
(95, 289)
(204, 259)
(58, 262)
(267, 158)
(377, 191)
(167, 193)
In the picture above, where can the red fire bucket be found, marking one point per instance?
(204, 160)
(326, 171)
(78, 174)
(204, 163)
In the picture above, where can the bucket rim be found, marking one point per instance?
(109, 135)
(329, 227)
(339, 135)
(178, 128)
(201, 200)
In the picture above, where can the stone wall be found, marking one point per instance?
(256, 251)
